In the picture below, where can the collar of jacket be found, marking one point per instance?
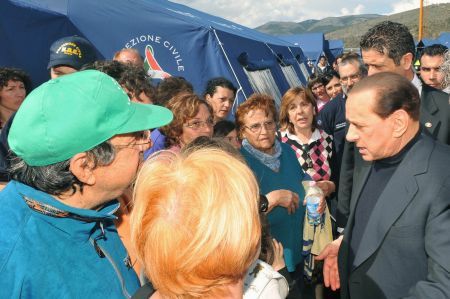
(78, 223)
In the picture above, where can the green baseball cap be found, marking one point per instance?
(73, 114)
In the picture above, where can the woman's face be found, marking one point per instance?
(259, 130)
(12, 95)
(301, 113)
(319, 92)
(232, 138)
(333, 87)
(200, 125)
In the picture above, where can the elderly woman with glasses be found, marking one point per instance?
(192, 118)
(277, 171)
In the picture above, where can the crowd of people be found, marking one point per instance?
(115, 187)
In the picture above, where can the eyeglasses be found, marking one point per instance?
(352, 78)
(197, 124)
(316, 87)
(142, 142)
(256, 128)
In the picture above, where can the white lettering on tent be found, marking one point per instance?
(143, 39)
(151, 38)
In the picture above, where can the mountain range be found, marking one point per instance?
(351, 28)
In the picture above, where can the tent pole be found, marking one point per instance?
(421, 20)
(231, 67)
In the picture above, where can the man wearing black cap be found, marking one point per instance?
(69, 54)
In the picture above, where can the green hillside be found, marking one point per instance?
(351, 28)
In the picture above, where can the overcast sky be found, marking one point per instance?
(253, 13)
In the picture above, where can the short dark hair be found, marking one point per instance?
(213, 83)
(12, 74)
(393, 92)
(327, 77)
(112, 68)
(434, 50)
(390, 38)
(223, 128)
(339, 56)
(315, 80)
(170, 87)
(136, 80)
(132, 77)
(55, 179)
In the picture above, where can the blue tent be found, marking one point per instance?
(178, 40)
(312, 44)
(333, 48)
(443, 39)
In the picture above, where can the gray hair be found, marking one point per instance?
(55, 179)
(445, 68)
(355, 59)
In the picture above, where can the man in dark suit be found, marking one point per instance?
(396, 242)
(389, 47)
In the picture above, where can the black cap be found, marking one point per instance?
(73, 51)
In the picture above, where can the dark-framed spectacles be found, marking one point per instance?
(317, 86)
(256, 128)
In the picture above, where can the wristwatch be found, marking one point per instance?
(263, 203)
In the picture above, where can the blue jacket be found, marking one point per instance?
(74, 253)
(285, 228)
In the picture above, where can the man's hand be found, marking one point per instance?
(284, 198)
(330, 265)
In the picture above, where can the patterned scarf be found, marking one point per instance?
(271, 161)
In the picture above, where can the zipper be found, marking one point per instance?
(103, 253)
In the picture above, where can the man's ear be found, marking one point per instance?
(401, 121)
(407, 61)
(82, 168)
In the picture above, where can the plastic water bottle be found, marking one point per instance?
(312, 197)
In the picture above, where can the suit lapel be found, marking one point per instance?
(428, 111)
(396, 196)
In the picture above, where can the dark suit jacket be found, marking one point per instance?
(434, 115)
(405, 248)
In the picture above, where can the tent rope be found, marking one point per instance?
(231, 67)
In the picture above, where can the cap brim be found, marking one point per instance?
(145, 117)
(63, 61)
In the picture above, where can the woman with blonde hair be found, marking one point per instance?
(196, 235)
